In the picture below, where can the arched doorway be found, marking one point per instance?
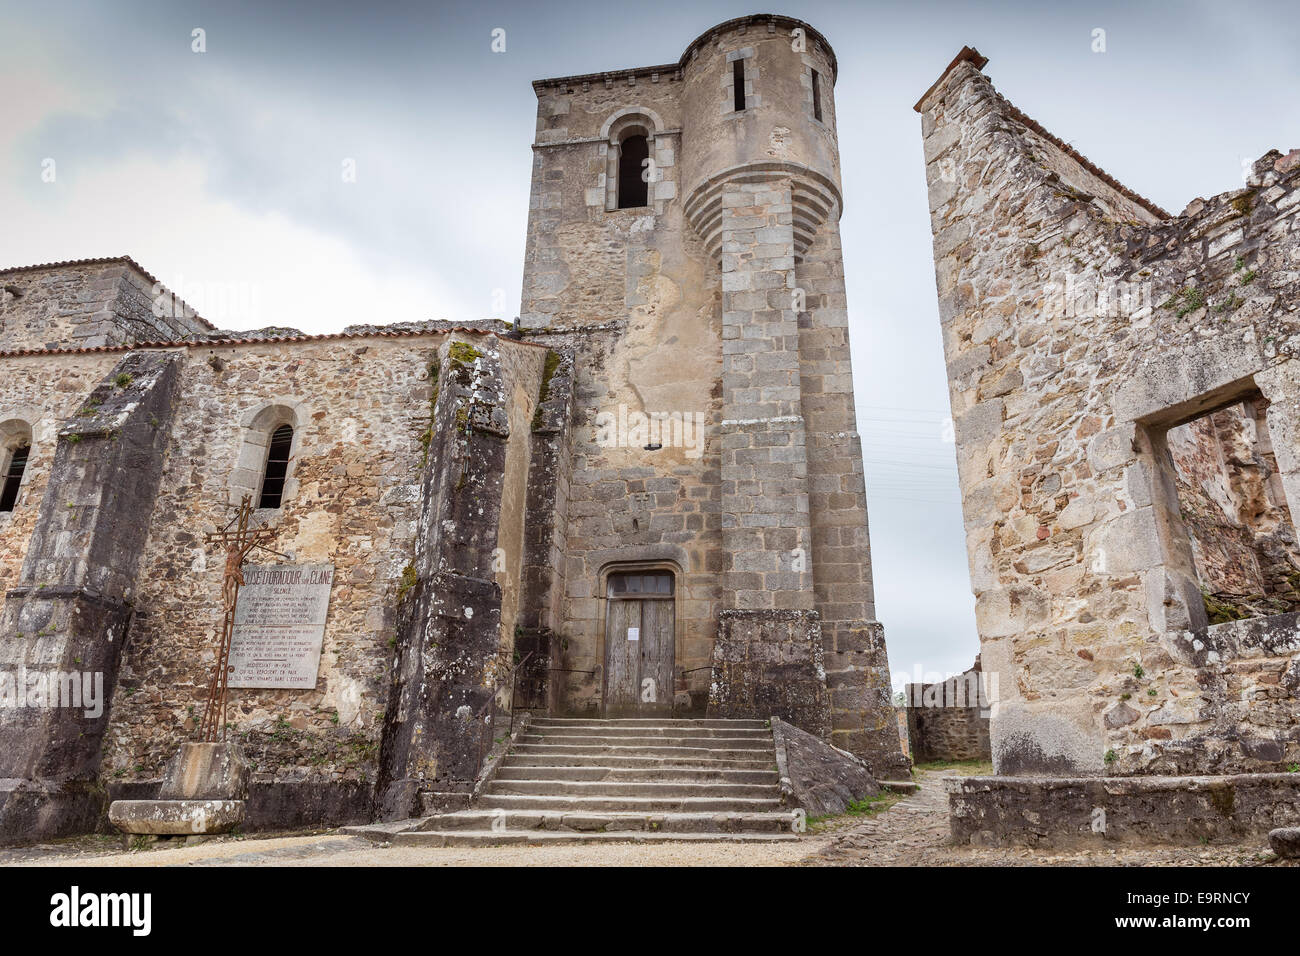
(639, 642)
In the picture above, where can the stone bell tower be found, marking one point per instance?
(710, 287)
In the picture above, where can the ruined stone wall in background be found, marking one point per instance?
(949, 720)
(1080, 326)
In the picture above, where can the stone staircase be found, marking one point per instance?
(641, 780)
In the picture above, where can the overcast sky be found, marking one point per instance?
(221, 173)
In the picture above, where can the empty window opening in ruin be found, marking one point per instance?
(633, 174)
(817, 95)
(13, 476)
(1234, 510)
(738, 83)
(277, 467)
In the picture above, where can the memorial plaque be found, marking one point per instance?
(280, 625)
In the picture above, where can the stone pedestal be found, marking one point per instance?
(769, 664)
(203, 791)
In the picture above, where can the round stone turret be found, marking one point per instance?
(758, 106)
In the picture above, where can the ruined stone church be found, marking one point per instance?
(645, 499)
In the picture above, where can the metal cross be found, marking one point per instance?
(239, 540)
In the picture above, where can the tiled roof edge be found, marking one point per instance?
(264, 340)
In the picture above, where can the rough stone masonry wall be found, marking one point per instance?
(451, 652)
(948, 720)
(42, 394)
(1079, 325)
(625, 504)
(90, 304)
(360, 410)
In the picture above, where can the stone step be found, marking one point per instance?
(662, 751)
(651, 730)
(664, 803)
(589, 821)
(662, 789)
(900, 786)
(599, 740)
(562, 758)
(454, 838)
(513, 772)
(650, 722)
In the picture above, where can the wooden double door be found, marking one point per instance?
(639, 643)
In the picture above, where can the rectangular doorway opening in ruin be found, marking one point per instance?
(639, 643)
(1234, 512)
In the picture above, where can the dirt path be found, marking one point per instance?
(913, 832)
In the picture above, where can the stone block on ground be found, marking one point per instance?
(175, 817)
(1285, 842)
(206, 771)
(823, 779)
(203, 792)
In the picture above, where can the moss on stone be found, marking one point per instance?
(462, 353)
(426, 437)
(408, 581)
(1187, 300)
(1219, 611)
(543, 393)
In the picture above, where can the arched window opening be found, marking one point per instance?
(277, 467)
(13, 477)
(633, 190)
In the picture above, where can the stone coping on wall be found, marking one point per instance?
(978, 61)
(1076, 811)
(674, 70)
(1274, 636)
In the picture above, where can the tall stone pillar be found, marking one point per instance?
(857, 665)
(437, 723)
(768, 656)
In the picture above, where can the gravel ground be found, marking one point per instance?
(913, 832)
(335, 850)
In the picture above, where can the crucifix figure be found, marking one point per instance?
(239, 540)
